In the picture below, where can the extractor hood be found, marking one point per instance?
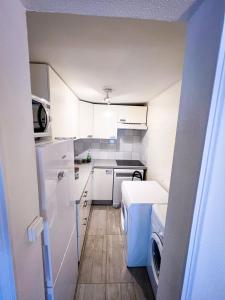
(136, 126)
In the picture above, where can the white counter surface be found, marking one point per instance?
(143, 192)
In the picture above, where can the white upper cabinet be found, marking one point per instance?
(47, 84)
(40, 80)
(64, 108)
(86, 117)
(105, 121)
(132, 114)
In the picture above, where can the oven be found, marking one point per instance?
(41, 117)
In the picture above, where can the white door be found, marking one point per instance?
(86, 118)
(102, 184)
(105, 121)
(7, 283)
(132, 114)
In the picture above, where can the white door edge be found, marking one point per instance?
(217, 114)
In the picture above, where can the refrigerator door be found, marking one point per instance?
(65, 284)
(56, 184)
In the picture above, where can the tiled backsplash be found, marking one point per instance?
(127, 146)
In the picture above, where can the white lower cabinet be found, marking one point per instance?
(102, 184)
(83, 212)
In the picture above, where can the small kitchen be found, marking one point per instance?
(100, 239)
(109, 122)
(95, 147)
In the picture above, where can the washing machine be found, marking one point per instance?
(158, 220)
(136, 207)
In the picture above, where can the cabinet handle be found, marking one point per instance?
(108, 172)
(64, 156)
(122, 120)
(112, 137)
(60, 175)
(90, 136)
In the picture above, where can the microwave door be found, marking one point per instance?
(40, 117)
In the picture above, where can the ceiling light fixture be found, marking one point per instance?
(107, 98)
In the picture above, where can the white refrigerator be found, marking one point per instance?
(55, 163)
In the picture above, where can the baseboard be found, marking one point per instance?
(102, 202)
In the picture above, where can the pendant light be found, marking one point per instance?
(107, 98)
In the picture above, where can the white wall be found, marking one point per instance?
(158, 142)
(18, 151)
(202, 46)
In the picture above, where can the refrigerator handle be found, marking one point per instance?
(60, 175)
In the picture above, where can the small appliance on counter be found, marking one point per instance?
(41, 117)
(79, 161)
(76, 173)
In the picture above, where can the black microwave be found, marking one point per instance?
(41, 117)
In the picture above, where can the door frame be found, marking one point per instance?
(7, 281)
(214, 127)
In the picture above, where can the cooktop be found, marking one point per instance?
(129, 163)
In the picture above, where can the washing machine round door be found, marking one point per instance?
(156, 248)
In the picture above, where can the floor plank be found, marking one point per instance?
(93, 262)
(103, 273)
(90, 292)
(120, 291)
(97, 225)
(113, 221)
(117, 270)
(142, 284)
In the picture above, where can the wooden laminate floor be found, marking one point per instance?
(103, 274)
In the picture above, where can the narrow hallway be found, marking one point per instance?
(103, 272)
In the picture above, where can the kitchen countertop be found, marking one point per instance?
(85, 170)
(111, 164)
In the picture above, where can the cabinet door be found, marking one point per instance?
(64, 108)
(86, 118)
(89, 192)
(105, 121)
(82, 221)
(132, 114)
(39, 80)
(102, 184)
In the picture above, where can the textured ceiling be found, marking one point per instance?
(138, 59)
(167, 10)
